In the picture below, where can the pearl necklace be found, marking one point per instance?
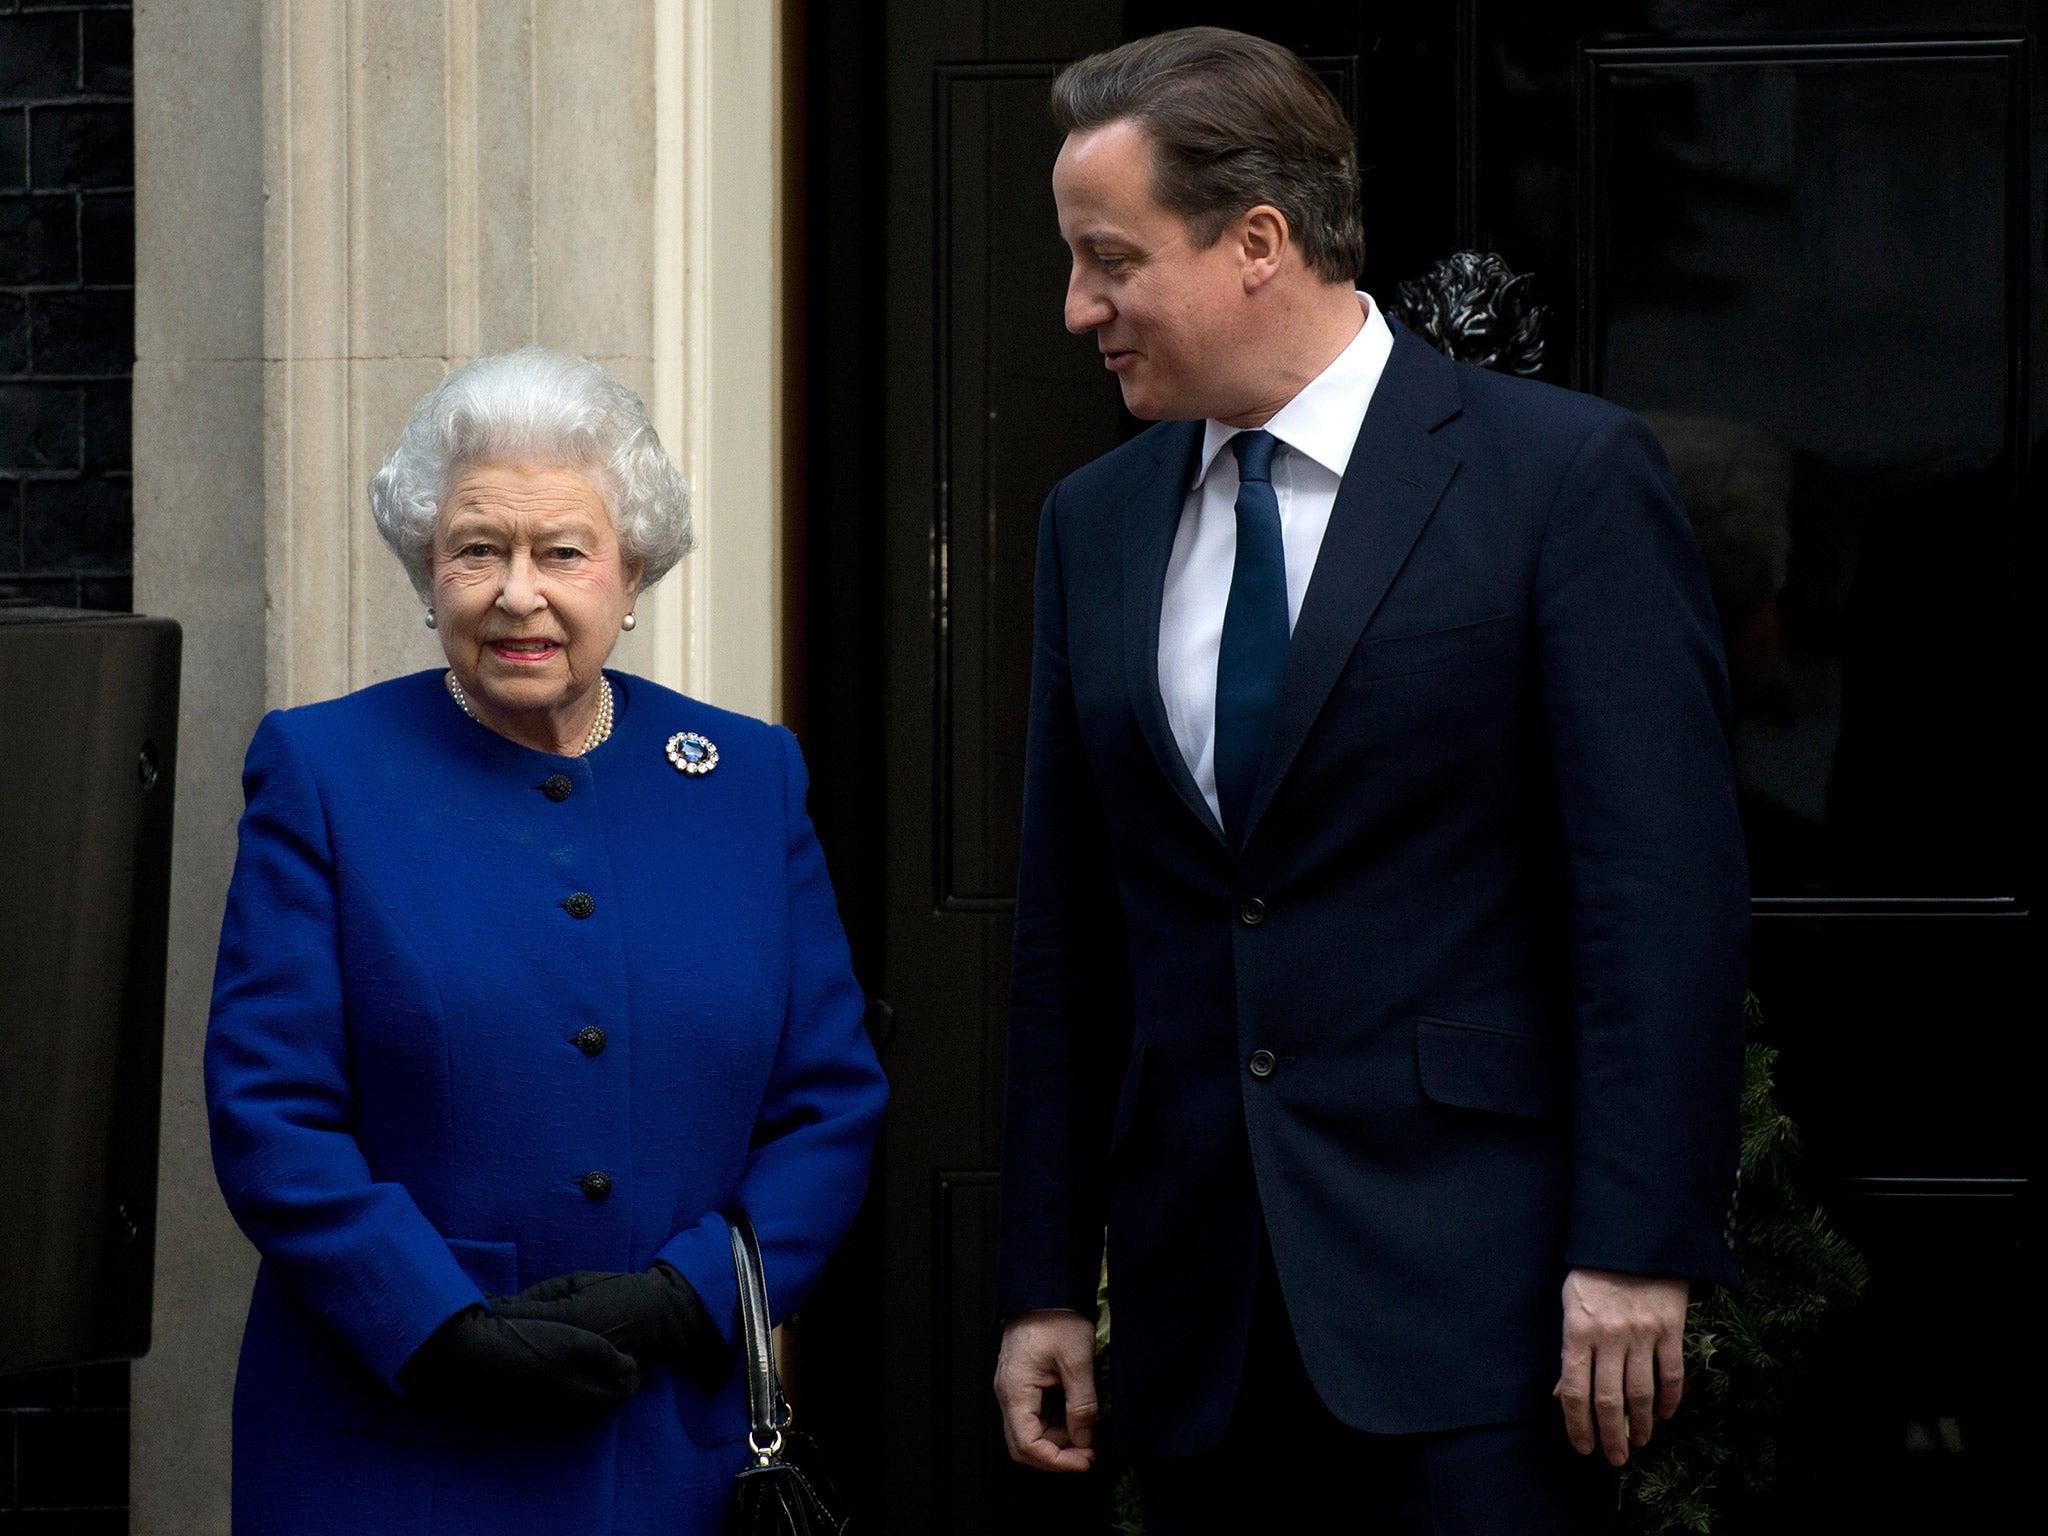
(600, 728)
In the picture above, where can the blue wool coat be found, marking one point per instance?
(406, 1102)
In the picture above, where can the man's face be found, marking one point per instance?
(1166, 315)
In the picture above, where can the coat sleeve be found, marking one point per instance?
(815, 1132)
(1635, 700)
(1070, 992)
(358, 1252)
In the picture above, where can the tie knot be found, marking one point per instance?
(1254, 452)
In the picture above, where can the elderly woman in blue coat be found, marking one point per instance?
(529, 971)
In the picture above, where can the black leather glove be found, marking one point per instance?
(532, 1374)
(653, 1315)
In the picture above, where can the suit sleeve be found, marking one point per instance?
(815, 1131)
(1070, 992)
(1635, 698)
(358, 1252)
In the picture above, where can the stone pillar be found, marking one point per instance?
(721, 312)
(336, 201)
(199, 558)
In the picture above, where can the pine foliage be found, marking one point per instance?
(1746, 1353)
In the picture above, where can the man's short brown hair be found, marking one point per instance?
(1235, 121)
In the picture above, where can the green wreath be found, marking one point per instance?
(1747, 1353)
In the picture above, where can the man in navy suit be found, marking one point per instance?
(1382, 915)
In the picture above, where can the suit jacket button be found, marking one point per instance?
(1252, 913)
(580, 905)
(596, 1184)
(556, 787)
(590, 1040)
(1261, 1064)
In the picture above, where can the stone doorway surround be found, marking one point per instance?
(336, 200)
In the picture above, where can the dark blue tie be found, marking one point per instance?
(1253, 656)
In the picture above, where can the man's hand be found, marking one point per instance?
(1041, 1350)
(1624, 1353)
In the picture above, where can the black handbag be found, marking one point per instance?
(781, 1491)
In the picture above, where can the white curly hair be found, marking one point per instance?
(534, 406)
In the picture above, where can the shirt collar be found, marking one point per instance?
(1322, 421)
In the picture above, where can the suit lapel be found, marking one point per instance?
(1151, 516)
(1396, 476)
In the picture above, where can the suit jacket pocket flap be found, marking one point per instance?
(1399, 655)
(1477, 1066)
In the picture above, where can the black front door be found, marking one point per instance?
(1808, 252)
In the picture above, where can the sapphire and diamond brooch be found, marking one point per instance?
(691, 753)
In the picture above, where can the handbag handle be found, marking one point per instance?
(767, 1409)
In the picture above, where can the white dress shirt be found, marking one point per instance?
(1316, 429)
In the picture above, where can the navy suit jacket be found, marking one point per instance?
(1465, 1010)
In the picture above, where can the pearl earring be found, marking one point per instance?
(628, 622)
(430, 620)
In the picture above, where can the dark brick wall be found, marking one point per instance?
(64, 1452)
(67, 345)
(67, 301)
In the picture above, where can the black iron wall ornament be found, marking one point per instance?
(1472, 307)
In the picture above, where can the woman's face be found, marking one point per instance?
(530, 587)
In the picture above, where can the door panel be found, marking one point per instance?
(985, 399)
(1012, 405)
(1846, 283)
(1810, 254)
